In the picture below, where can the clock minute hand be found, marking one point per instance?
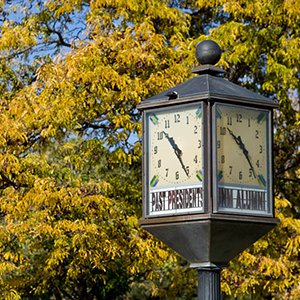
(249, 161)
(177, 151)
(242, 146)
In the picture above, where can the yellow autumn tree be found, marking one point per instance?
(71, 75)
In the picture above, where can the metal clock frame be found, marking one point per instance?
(209, 154)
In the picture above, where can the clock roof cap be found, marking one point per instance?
(208, 85)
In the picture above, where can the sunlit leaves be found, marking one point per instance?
(70, 187)
(70, 178)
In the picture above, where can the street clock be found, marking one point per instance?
(208, 165)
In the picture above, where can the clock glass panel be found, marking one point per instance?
(174, 158)
(242, 160)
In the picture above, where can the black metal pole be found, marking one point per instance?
(209, 283)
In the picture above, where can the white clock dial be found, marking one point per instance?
(242, 151)
(175, 150)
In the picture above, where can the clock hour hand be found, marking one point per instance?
(182, 164)
(173, 144)
(177, 151)
(242, 146)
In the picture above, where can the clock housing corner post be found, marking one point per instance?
(271, 155)
(144, 164)
(209, 157)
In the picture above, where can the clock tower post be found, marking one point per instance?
(207, 168)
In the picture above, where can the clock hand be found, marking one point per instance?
(173, 144)
(242, 146)
(177, 151)
(182, 164)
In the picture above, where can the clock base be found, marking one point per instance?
(209, 239)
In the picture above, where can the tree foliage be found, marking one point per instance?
(68, 200)
(71, 75)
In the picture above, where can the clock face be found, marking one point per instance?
(175, 170)
(242, 164)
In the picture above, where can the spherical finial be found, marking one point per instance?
(208, 52)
